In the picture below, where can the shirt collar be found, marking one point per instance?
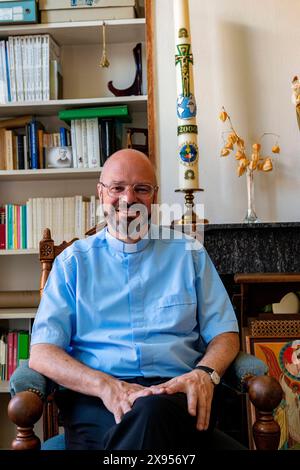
(119, 245)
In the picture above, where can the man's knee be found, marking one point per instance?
(160, 405)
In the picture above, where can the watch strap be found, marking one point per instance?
(214, 376)
(207, 369)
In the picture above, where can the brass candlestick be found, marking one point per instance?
(189, 219)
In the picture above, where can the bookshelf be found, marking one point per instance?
(49, 174)
(84, 32)
(20, 313)
(11, 318)
(41, 108)
(29, 251)
(84, 85)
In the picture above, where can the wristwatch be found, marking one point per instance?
(214, 376)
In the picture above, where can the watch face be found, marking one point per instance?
(215, 377)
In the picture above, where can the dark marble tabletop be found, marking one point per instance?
(259, 247)
(267, 225)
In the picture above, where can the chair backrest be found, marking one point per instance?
(48, 252)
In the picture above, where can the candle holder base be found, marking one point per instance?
(189, 220)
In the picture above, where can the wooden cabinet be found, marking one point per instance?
(267, 336)
(260, 289)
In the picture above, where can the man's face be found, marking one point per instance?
(123, 194)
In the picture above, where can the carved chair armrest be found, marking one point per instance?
(247, 374)
(29, 390)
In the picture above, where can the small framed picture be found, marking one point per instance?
(59, 157)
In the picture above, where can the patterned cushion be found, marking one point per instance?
(24, 379)
(243, 366)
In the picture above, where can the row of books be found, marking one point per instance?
(26, 148)
(94, 140)
(22, 226)
(14, 348)
(30, 69)
(95, 133)
(13, 227)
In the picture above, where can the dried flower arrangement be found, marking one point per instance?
(257, 161)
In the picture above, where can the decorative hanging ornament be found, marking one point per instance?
(104, 62)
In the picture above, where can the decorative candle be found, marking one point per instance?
(186, 103)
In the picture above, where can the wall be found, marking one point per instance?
(245, 56)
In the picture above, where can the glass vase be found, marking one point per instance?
(251, 216)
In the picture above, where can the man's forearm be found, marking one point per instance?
(56, 364)
(221, 351)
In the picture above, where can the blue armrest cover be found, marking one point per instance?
(26, 379)
(243, 366)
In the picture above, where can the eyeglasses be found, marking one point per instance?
(140, 189)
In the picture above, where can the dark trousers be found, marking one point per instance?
(154, 422)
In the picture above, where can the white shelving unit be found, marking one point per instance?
(49, 108)
(18, 252)
(84, 85)
(49, 174)
(84, 32)
(11, 318)
(17, 313)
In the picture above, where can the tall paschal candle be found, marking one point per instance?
(186, 103)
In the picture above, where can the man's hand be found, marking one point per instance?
(199, 390)
(119, 396)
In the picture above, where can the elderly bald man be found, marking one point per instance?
(137, 330)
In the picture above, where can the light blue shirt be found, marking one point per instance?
(144, 309)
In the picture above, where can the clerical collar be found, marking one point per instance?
(119, 245)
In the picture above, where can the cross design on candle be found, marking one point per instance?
(184, 58)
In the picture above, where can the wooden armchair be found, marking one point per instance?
(33, 395)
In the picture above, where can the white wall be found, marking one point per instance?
(246, 53)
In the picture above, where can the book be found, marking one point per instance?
(8, 149)
(15, 122)
(66, 4)
(87, 14)
(56, 80)
(22, 346)
(2, 228)
(15, 12)
(107, 137)
(20, 152)
(121, 112)
(50, 53)
(34, 126)
(2, 150)
(10, 353)
(93, 148)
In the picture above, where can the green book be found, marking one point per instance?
(23, 346)
(121, 112)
